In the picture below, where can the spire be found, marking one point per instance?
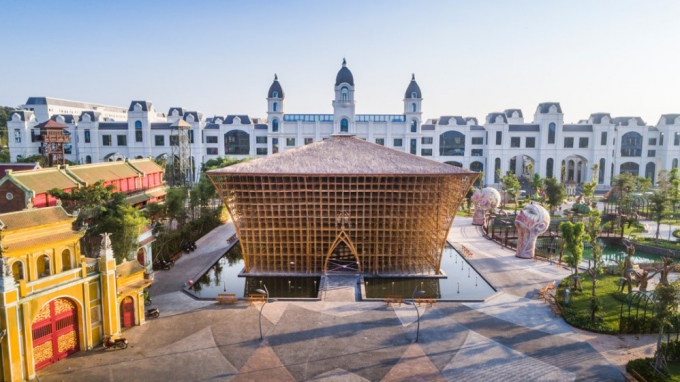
(413, 76)
(276, 77)
(344, 62)
(275, 91)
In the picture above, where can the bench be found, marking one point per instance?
(226, 298)
(429, 300)
(545, 291)
(256, 297)
(394, 299)
(231, 239)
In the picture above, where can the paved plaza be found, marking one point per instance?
(510, 337)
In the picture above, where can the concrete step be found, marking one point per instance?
(339, 288)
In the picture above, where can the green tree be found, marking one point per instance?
(674, 188)
(593, 230)
(511, 187)
(555, 193)
(643, 184)
(536, 183)
(220, 162)
(125, 223)
(573, 235)
(84, 198)
(658, 203)
(589, 187)
(176, 205)
(665, 308)
(624, 184)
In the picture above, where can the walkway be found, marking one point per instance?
(509, 338)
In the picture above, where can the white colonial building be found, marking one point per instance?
(504, 141)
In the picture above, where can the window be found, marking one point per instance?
(121, 140)
(477, 152)
(499, 138)
(68, 149)
(213, 139)
(257, 139)
(514, 142)
(414, 126)
(549, 168)
(290, 141)
(568, 142)
(414, 146)
(309, 141)
(676, 141)
(631, 144)
(275, 125)
(398, 142)
(160, 140)
(497, 170)
(380, 141)
(211, 150)
(600, 176)
(651, 153)
(138, 136)
(603, 138)
(274, 106)
(652, 141)
(275, 94)
(414, 95)
(344, 125)
(477, 140)
(583, 143)
(675, 163)
(191, 136)
(426, 140)
(530, 142)
(452, 143)
(551, 133)
(237, 142)
(661, 139)
(275, 145)
(344, 93)
(414, 108)
(138, 124)
(426, 152)
(106, 140)
(88, 159)
(174, 140)
(17, 136)
(261, 151)
(87, 135)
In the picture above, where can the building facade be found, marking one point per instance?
(502, 141)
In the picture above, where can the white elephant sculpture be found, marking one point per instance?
(532, 221)
(484, 200)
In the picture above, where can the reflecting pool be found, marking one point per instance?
(462, 282)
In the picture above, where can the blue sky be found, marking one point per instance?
(470, 58)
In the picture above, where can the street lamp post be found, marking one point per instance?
(265, 292)
(416, 292)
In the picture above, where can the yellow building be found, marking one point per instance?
(53, 301)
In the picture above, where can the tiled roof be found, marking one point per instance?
(491, 117)
(578, 128)
(452, 120)
(107, 171)
(17, 167)
(139, 198)
(42, 180)
(146, 105)
(129, 268)
(597, 117)
(245, 120)
(113, 125)
(34, 217)
(544, 107)
(510, 112)
(43, 240)
(625, 121)
(146, 166)
(157, 192)
(523, 128)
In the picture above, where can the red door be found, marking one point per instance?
(55, 332)
(127, 312)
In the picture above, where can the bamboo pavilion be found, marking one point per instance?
(342, 205)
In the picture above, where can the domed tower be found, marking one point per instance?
(343, 105)
(413, 99)
(275, 105)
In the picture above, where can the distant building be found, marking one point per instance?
(503, 141)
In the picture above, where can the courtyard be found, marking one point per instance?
(510, 337)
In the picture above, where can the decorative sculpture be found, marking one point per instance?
(6, 269)
(532, 221)
(484, 200)
(665, 269)
(106, 251)
(628, 268)
(642, 279)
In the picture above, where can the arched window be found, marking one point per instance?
(452, 143)
(414, 107)
(236, 142)
(551, 133)
(344, 93)
(497, 170)
(18, 270)
(600, 176)
(631, 144)
(274, 106)
(549, 168)
(275, 94)
(477, 167)
(88, 159)
(414, 95)
(675, 163)
(631, 168)
(138, 124)
(66, 260)
(650, 172)
(275, 125)
(344, 125)
(414, 126)
(43, 266)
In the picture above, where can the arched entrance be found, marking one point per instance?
(342, 257)
(127, 312)
(141, 257)
(576, 168)
(522, 165)
(55, 332)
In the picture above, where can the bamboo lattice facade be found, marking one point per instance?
(370, 222)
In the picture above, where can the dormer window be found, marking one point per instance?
(138, 124)
(414, 95)
(138, 107)
(344, 93)
(275, 94)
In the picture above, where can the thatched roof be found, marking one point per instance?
(342, 154)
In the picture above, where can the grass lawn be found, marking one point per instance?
(577, 312)
(673, 245)
(674, 371)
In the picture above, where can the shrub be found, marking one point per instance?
(643, 367)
